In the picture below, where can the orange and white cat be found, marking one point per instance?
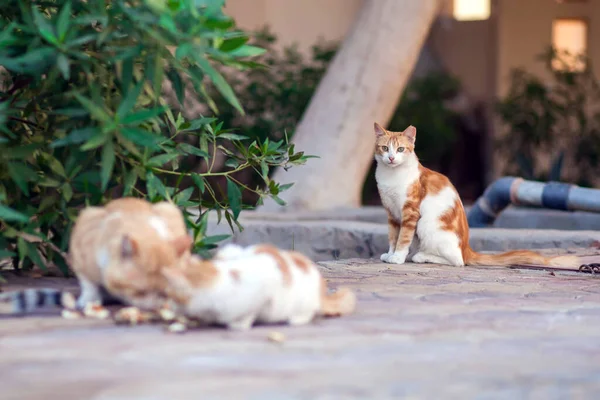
(257, 284)
(123, 246)
(119, 250)
(425, 210)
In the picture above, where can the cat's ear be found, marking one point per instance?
(411, 133)
(182, 243)
(129, 247)
(379, 131)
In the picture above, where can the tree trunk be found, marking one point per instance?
(362, 85)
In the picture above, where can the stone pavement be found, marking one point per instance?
(420, 332)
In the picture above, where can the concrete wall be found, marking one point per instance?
(301, 22)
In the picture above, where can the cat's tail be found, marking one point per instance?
(28, 300)
(520, 257)
(339, 303)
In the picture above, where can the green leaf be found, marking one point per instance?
(285, 187)
(21, 174)
(75, 137)
(21, 248)
(208, 240)
(199, 123)
(33, 61)
(219, 82)
(232, 163)
(278, 200)
(62, 62)
(6, 253)
(95, 141)
(264, 169)
(184, 195)
(34, 256)
(232, 136)
(140, 136)
(9, 215)
(129, 100)
(108, 163)
(247, 51)
(160, 160)
(155, 186)
(44, 26)
(199, 181)
(62, 23)
(21, 152)
(143, 115)
(67, 192)
(203, 223)
(95, 111)
(234, 43)
(235, 198)
(189, 149)
(177, 84)
(130, 180)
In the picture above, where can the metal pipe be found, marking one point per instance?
(517, 191)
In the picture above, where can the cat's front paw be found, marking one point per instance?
(398, 257)
(384, 257)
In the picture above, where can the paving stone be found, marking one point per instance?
(420, 331)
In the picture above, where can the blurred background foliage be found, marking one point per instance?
(549, 121)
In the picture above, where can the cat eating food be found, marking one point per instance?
(426, 218)
(119, 248)
(256, 284)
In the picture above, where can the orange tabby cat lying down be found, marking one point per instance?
(121, 248)
(424, 209)
(261, 284)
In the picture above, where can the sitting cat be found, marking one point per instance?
(262, 284)
(424, 202)
(120, 248)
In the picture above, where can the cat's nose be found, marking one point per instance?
(391, 158)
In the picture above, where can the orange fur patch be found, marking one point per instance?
(281, 263)
(431, 182)
(201, 273)
(301, 261)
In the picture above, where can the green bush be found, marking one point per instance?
(83, 121)
(559, 117)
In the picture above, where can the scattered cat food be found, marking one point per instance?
(70, 314)
(166, 314)
(131, 316)
(276, 337)
(68, 301)
(95, 310)
(177, 327)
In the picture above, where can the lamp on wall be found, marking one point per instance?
(471, 10)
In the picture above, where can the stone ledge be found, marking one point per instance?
(512, 217)
(335, 239)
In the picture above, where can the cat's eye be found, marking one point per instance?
(400, 149)
(384, 148)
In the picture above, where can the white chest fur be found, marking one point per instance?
(393, 185)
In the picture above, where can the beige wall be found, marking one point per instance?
(303, 22)
(525, 30)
